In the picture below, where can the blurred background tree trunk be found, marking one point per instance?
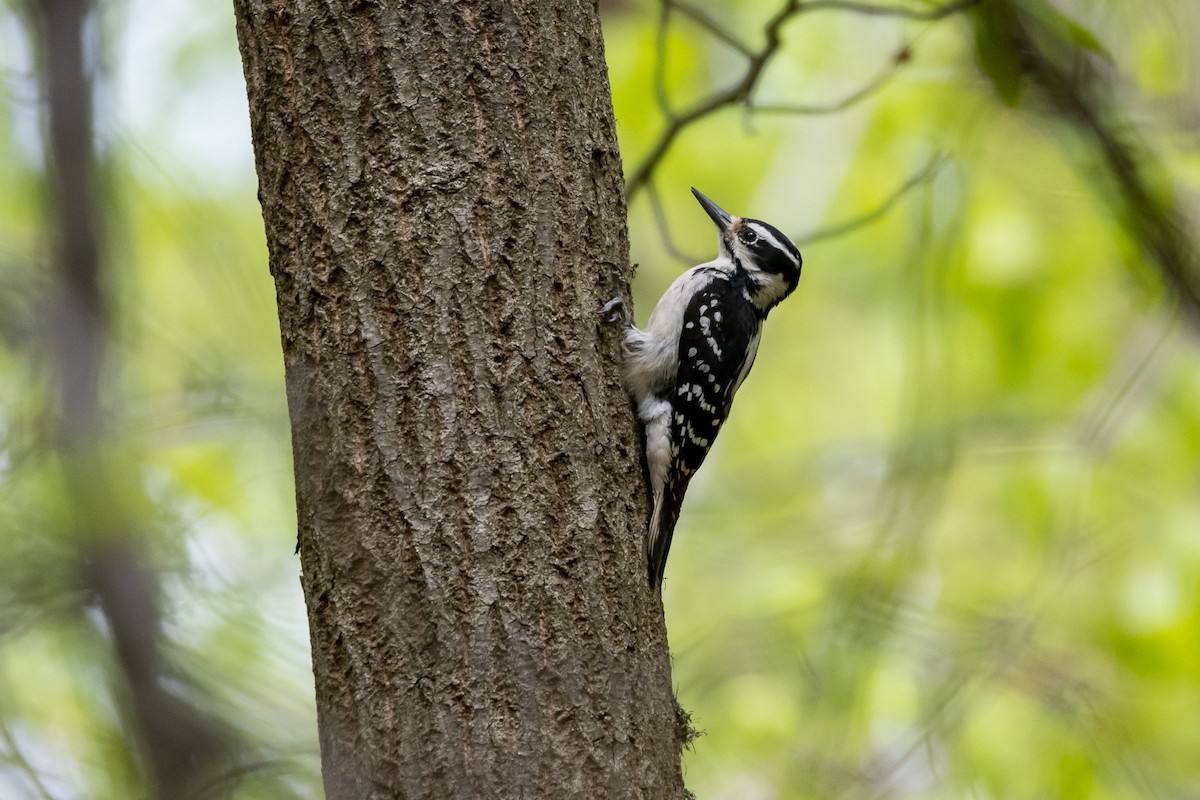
(442, 194)
(182, 750)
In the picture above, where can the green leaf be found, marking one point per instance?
(1064, 28)
(995, 50)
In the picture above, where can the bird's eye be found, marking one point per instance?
(749, 236)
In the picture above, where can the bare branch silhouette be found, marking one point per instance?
(870, 9)
(857, 96)
(709, 24)
(664, 228)
(742, 91)
(660, 60)
(1076, 95)
(851, 225)
(733, 94)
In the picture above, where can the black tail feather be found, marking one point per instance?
(662, 528)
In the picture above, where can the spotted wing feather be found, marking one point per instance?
(716, 349)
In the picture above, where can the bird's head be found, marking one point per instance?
(767, 255)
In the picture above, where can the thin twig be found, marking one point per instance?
(664, 228)
(873, 10)
(1138, 367)
(711, 25)
(857, 96)
(660, 60)
(17, 759)
(733, 94)
(849, 226)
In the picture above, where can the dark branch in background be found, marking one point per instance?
(739, 92)
(870, 9)
(664, 228)
(1158, 224)
(851, 225)
(660, 64)
(1134, 375)
(857, 96)
(742, 91)
(80, 314)
(177, 745)
(1068, 82)
(707, 23)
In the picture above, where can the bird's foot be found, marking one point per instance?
(614, 311)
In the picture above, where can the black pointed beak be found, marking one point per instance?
(718, 216)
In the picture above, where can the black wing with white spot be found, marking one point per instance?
(716, 349)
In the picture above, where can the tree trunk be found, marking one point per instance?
(442, 194)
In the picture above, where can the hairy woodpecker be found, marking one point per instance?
(684, 368)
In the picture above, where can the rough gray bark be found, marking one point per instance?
(441, 188)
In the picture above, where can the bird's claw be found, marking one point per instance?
(614, 311)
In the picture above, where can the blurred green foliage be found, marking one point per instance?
(949, 542)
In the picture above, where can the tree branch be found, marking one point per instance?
(855, 223)
(709, 24)
(869, 9)
(1158, 223)
(743, 90)
(857, 96)
(660, 61)
(664, 228)
(737, 93)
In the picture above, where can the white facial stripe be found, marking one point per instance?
(763, 233)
